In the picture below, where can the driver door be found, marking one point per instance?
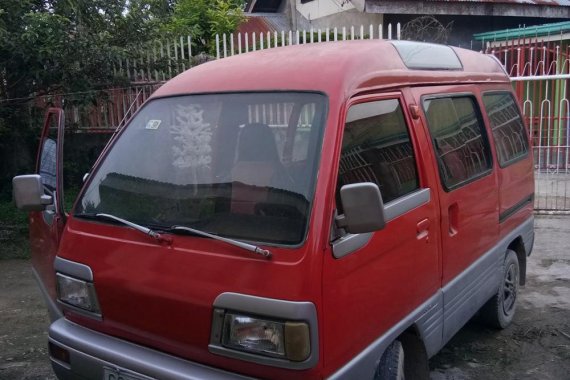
(46, 226)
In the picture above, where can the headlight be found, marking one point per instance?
(287, 340)
(77, 293)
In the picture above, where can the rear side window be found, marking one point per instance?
(459, 139)
(376, 148)
(509, 134)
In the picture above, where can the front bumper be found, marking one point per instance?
(90, 352)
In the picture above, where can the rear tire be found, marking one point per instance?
(391, 366)
(499, 311)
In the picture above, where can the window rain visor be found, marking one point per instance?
(236, 165)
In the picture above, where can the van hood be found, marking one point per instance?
(161, 295)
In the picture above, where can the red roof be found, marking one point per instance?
(346, 68)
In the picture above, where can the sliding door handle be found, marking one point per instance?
(453, 214)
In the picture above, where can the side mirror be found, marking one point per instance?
(363, 208)
(29, 194)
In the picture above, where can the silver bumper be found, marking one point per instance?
(91, 351)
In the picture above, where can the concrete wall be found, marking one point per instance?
(330, 14)
(344, 19)
(467, 8)
(317, 9)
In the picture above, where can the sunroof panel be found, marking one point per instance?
(424, 56)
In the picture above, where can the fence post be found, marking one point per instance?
(176, 55)
(169, 59)
(217, 46)
(225, 45)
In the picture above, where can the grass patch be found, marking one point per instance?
(14, 236)
(14, 242)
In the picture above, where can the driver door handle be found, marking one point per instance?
(422, 229)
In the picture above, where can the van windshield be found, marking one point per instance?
(236, 165)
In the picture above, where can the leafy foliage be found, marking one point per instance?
(203, 19)
(68, 46)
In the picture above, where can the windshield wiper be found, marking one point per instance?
(249, 247)
(161, 238)
(145, 230)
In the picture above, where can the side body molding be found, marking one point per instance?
(352, 242)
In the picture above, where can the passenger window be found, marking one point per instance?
(48, 164)
(376, 148)
(509, 134)
(459, 139)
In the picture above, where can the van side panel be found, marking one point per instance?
(469, 212)
(372, 289)
(363, 364)
(516, 195)
(516, 179)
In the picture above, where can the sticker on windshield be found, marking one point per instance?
(153, 124)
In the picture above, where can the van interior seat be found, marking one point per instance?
(256, 166)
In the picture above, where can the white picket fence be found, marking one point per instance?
(157, 62)
(162, 60)
(238, 43)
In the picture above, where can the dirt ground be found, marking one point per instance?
(535, 346)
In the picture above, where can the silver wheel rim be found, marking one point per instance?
(510, 289)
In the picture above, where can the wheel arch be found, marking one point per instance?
(416, 364)
(517, 245)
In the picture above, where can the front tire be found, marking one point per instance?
(391, 366)
(499, 311)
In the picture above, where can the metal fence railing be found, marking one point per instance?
(540, 71)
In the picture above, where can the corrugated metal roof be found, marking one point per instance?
(254, 25)
(562, 3)
(530, 31)
(264, 22)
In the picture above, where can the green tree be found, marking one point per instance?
(61, 46)
(70, 46)
(203, 19)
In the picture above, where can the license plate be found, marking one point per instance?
(122, 374)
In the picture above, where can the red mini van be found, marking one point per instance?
(337, 210)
